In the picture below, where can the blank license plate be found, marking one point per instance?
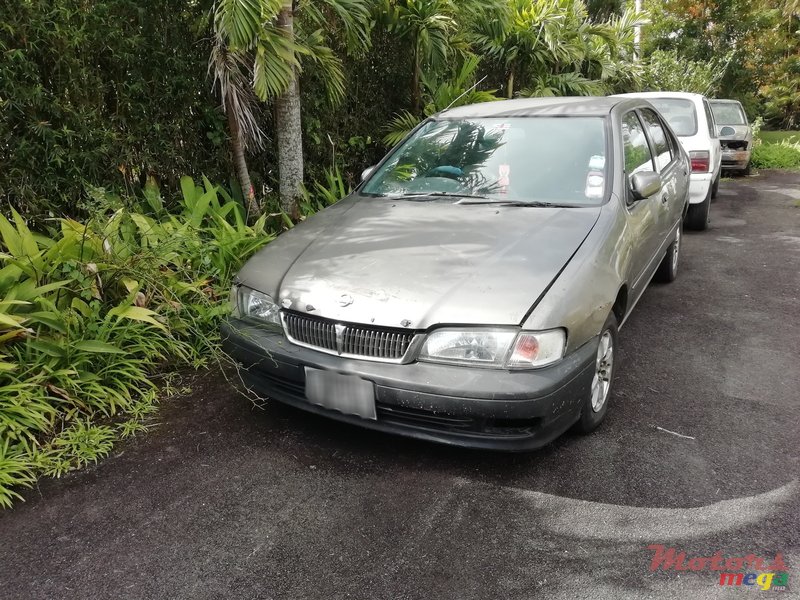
(349, 394)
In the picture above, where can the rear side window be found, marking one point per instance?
(679, 113)
(712, 130)
(661, 148)
(637, 151)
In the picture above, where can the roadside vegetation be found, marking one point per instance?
(115, 265)
(782, 154)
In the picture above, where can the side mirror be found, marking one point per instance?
(367, 172)
(645, 184)
(726, 131)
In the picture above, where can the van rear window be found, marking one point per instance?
(679, 113)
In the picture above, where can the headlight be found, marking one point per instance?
(511, 349)
(255, 305)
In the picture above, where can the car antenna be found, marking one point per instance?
(467, 91)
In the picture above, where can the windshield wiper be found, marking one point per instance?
(439, 195)
(534, 203)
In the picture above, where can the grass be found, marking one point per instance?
(777, 150)
(776, 137)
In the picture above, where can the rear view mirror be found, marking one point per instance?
(726, 131)
(645, 184)
(367, 172)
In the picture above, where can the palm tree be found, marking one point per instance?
(232, 71)
(553, 47)
(428, 25)
(272, 41)
(441, 93)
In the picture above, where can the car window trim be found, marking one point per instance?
(630, 203)
(711, 122)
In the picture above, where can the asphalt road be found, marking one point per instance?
(224, 501)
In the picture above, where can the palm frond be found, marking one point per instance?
(354, 17)
(399, 127)
(232, 72)
(275, 63)
(239, 21)
(328, 64)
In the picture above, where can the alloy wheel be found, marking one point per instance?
(601, 383)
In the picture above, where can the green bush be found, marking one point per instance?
(107, 92)
(785, 155)
(91, 311)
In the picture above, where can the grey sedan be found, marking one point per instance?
(471, 288)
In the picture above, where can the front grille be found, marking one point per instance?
(314, 332)
(734, 144)
(352, 339)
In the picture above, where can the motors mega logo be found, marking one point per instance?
(750, 570)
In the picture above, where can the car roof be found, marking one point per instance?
(585, 106)
(645, 95)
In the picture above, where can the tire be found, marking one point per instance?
(715, 185)
(697, 216)
(746, 171)
(668, 269)
(595, 407)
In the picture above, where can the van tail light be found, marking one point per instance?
(700, 161)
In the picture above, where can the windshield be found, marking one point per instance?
(728, 113)
(558, 160)
(679, 113)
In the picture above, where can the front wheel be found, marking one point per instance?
(596, 404)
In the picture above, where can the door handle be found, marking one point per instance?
(664, 198)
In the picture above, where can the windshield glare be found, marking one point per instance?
(522, 159)
(679, 113)
(728, 113)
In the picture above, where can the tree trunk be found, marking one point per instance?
(415, 81)
(511, 83)
(289, 131)
(240, 164)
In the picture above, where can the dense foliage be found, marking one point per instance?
(752, 43)
(91, 310)
(782, 155)
(104, 93)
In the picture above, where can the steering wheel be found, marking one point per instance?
(447, 171)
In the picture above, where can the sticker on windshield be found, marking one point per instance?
(597, 162)
(594, 184)
(504, 178)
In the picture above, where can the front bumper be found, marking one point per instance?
(735, 159)
(475, 407)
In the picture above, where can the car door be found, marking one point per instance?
(683, 172)
(642, 215)
(671, 168)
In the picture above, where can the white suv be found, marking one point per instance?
(691, 119)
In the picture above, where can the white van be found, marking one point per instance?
(690, 117)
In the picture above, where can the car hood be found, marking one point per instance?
(742, 132)
(401, 263)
